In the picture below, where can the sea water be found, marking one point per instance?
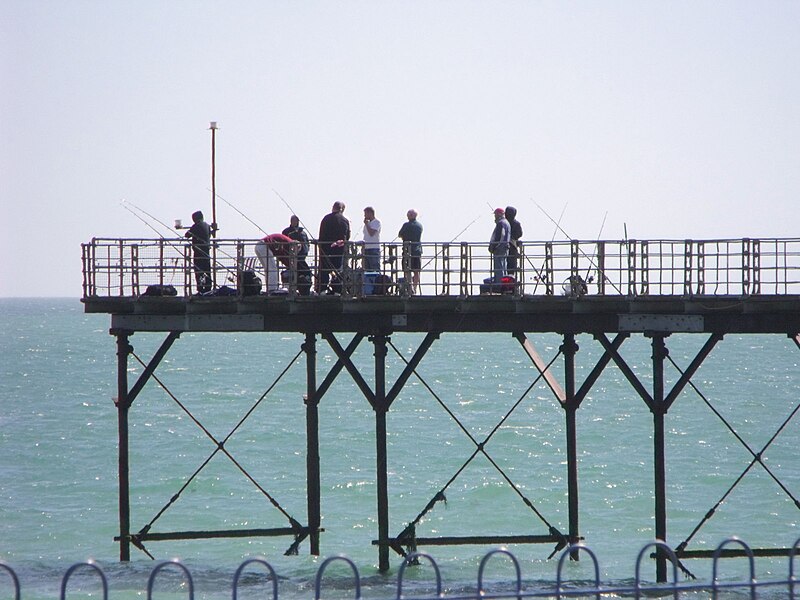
(58, 455)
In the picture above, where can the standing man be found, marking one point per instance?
(411, 234)
(513, 249)
(298, 234)
(200, 235)
(498, 245)
(372, 241)
(334, 231)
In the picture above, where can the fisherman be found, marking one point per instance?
(272, 247)
(516, 234)
(411, 234)
(498, 245)
(200, 235)
(298, 234)
(372, 241)
(334, 231)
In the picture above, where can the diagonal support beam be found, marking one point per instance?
(598, 369)
(686, 376)
(410, 367)
(337, 368)
(626, 370)
(152, 365)
(540, 365)
(344, 358)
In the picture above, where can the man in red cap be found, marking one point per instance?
(498, 245)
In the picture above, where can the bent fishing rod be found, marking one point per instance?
(591, 260)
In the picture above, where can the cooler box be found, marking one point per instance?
(505, 286)
(369, 282)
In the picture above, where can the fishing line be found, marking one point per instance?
(177, 245)
(257, 226)
(591, 260)
(458, 235)
(540, 277)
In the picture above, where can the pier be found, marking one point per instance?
(609, 289)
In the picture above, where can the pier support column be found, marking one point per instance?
(569, 349)
(123, 405)
(381, 408)
(312, 443)
(659, 410)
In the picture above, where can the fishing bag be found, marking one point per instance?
(251, 283)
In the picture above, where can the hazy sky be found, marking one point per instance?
(678, 119)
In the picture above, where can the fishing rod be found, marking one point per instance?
(458, 235)
(591, 260)
(299, 220)
(539, 275)
(123, 204)
(127, 204)
(599, 234)
(242, 214)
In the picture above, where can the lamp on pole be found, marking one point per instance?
(213, 129)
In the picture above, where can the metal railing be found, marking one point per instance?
(629, 268)
(519, 587)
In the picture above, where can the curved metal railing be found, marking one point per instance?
(783, 586)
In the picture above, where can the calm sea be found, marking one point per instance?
(58, 454)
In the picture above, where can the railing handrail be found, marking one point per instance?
(651, 267)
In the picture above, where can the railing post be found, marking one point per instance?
(135, 269)
(574, 253)
(548, 268)
(445, 269)
(746, 266)
(161, 261)
(601, 268)
(701, 267)
(121, 248)
(464, 270)
(187, 271)
(645, 269)
(756, 266)
(687, 267)
(631, 267)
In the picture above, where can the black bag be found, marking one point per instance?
(383, 285)
(251, 283)
(160, 290)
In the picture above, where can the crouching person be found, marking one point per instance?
(271, 250)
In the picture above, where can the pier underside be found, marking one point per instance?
(344, 324)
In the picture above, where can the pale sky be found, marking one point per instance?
(678, 119)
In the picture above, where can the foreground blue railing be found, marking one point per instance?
(783, 587)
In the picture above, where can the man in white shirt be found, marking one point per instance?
(372, 241)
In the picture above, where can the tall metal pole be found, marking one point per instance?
(381, 452)
(312, 442)
(213, 129)
(659, 454)
(569, 348)
(123, 404)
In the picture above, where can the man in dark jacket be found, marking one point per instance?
(516, 235)
(334, 231)
(200, 235)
